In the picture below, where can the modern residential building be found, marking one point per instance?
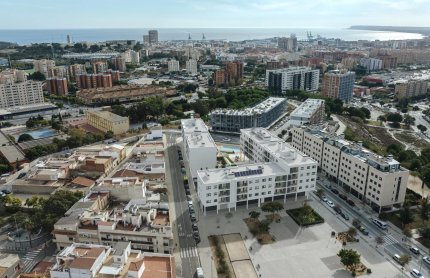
(58, 86)
(218, 77)
(261, 115)
(371, 64)
(43, 66)
(142, 221)
(82, 260)
(388, 61)
(293, 78)
(153, 36)
(411, 88)
(338, 85)
(134, 57)
(75, 70)
(379, 181)
(277, 172)
(107, 121)
(173, 65)
(199, 148)
(289, 44)
(88, 81)
(58, 71)
(19, 94)
(119, 64)
(191, 66)
(99, 66)
(312, 111)
(12, 76)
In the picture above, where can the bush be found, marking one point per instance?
(305, 220)
(353, 274)
(369, 271)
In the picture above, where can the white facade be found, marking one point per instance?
(199, 148)
(173, 65)
(191, 66)
(43, 66)
(294, 78)
(380, 181)
(23, 93)
(277, 172)
(311, 111)
(134, 57)
(371, 64)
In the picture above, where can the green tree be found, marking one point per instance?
(272, 207)
(29, 227)
(382, 118)
(349, 258)
(406, 216)
(394, 117)
(404, 259)
(408, 120)
(422, 128)
(264, 226)
(254, 215)
(25, 137)
(356, 222)
(319, 192)
(379, 240)
(352, 232)
(37, 76)
(425, 209)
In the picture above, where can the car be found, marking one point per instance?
(414, 250)
(415, 273)
(190, 202)
(186, 186)
(345, 216)
(328, 185)
(193, 217)
(199, 273)
(396, 257)
(324, 198)
(426, 260)
(5, 191)
(187, 191)
(194, 227)
(337, 210)
(189, 198)
(343, 197)
(2, 194)
(363, 231)
(330, 204)
(350, 202)
(335, 191)
(191, 209)
(21, 175)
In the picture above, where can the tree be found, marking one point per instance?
(352, 232)
(349, 258)
(404, 259)
(422, 128)
(25, 137)
(272, 207)
(394, 117)
(38, 76)
(382, 118)
(406, 216)
(14, 202)
(264, 226)
(379, 240)
(356, 222)
(254, 215)
(29, 226)
(425, 209)
(408, 120)
(319, 192)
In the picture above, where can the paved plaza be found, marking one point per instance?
(297, 252)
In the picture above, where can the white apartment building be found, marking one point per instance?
(19, 94)
(191, 66)
(371, 64)
(43, 66)
(293, 78)
(199, 148)
(311, 111)
(379, 181)
(277, 172)
(173, 65)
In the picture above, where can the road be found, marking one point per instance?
(393, 243)
(187, 246)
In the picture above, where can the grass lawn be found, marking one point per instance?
(375, 123)
(411, 138)
(305, 220)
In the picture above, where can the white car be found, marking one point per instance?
(415, 273)
(426, 260)
(330, 204)
(324, 198)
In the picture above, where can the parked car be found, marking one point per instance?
(345, 216)
(426, 260)
(414, 250)
(191, 209)
(193, 217)
(363, 231)
(194, 227)
(330, 204)
(199, 273)
(415, 273)
(187, 191)
(324, 198)
(189, 198)
(21, 175)
(343, 197)
(350, 202)
(337, 210)
(5, 191)
(335, 191)
(2, 194)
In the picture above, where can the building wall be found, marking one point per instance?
(294, 78)
(338, 85)
(117, 126)
(18, 94)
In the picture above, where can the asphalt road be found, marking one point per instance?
(393, 243)
(187, 245)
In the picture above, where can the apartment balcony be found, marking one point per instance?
(282, 191)
(224, 187)
(224, 200)
(224, 193)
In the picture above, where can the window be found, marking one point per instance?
(208, 195)
(208, 187)
(208, 201)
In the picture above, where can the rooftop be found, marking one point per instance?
(307, 108)
(108, 115)
(261, 108)
(193, 125)
(203, 140)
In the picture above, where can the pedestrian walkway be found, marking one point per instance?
(183, 234)
(389, 240)
(189, 252)
(29, 260)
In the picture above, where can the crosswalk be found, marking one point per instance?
(189, 252)
(389, 240)
(29, 260)
(182, 234)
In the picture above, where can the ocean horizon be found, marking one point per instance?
(28, 36)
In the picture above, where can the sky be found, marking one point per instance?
(64, 14)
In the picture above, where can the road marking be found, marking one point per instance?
(189, 252)
(389, 240)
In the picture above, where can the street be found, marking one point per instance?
(187, 246)
(393, 243)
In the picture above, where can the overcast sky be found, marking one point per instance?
(58, 14)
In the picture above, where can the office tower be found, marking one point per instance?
(23, 93)
(119, 64)
(294, 78)
(338, 85)
(43, 66)
(173, 65)
(153, 36)
(57, 86)
(191, 66)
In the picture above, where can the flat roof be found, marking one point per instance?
(307, 108)
(203, 140)
(11, 153)
(263, 107)
(193, 125)
(108, 115)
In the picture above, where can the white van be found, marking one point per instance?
(199, 273)
(382, 225)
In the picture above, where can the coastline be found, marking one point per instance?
(425, 31)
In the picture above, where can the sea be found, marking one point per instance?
(25, 37)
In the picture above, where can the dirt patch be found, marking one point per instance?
(345, 237)
(273, 217)
(412, 139)
(262, 238)
(224, 267)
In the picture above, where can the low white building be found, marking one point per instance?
(173, 65)
(311, 111)
(191, 66)
(277, 172)
(379, 181)
(199, 148)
